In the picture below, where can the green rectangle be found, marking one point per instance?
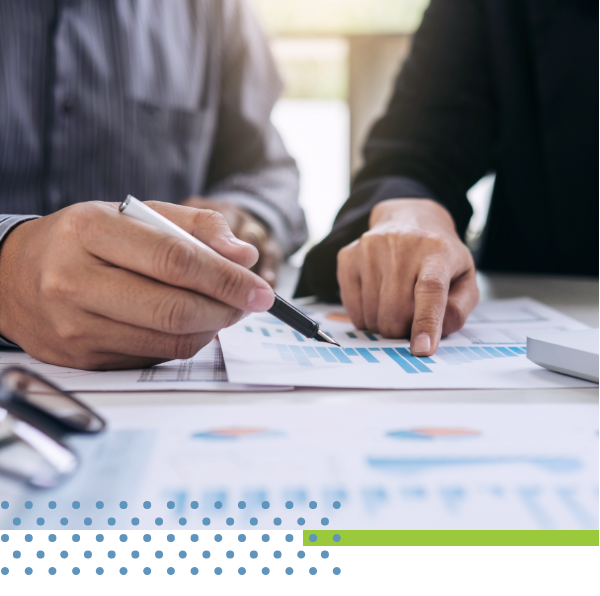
(450, 538)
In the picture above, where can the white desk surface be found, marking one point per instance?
(576, 297)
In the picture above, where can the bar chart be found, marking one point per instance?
(309, 356)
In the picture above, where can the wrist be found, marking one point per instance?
(9, 251)
(416, 213)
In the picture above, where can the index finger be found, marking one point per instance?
(431, 296)
(139, 247)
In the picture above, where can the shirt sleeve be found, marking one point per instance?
(250, 166)
(435, 140)
(8, 223)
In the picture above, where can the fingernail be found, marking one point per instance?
(238, 242)
(245, 315)
(260, 299)
(421, 344)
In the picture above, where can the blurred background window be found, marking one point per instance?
(338, 60)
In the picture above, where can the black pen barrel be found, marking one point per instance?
(293, 317)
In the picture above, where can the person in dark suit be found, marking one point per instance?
(509, 86)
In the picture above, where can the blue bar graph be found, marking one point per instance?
(370, 336)
(351, 335)
(468, 353)
(265, 332)
(426, 359)
(350, 352)
(367, 355)
(268, 346)
(310, 352)
(456, 354)
(285, 353)
(298, 336)
(326, 354)
(517, 350)
(300, 356)
(506, 352)
(249, 329)
(481, 353)
(441, 353)
(399, 360)
(414, 361)
(493, 352)
(339, 354)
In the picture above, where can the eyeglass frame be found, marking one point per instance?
(47, 423)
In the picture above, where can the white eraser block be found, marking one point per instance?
(573, 353)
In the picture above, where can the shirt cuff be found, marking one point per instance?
(7, 224)
(263, 212)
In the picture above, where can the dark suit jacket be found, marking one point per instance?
(503, 85)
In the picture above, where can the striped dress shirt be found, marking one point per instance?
(161, 99)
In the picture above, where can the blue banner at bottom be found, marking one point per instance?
(248, 565)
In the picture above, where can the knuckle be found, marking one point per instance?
(187, 346)
(174, 314)
(211, 218)
(173, 258)
(432, 283)
(229, 282)
(68, 331)
(55, 286)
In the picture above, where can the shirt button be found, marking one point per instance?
(68, 104)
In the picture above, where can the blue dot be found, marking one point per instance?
(218, 537)
(206, 521)
(171, 504)
(182, 521)
(171, 538)
(313, 537)
(241, 571)
(87, 554)
(17, 554)
(112, 521)
(111, 554)
(52, 571)
(123, 537)
(265, 571)
(229, 521)
(336, 537)
(40, 554)
(301, 521)
(194, 505)
(99, 538)
(99, 505)
(289, 538)
(17, 521)
(336, 571)
(135, 554)
(99, 571)
(28, 504)
(289, 505)
(277, 521)
(182, 554)
(324, 521)
(158, 554)
(28, 537)
(265, 504)
(76, 538)
(301, 554)
(75, 570)
(158, 521)
(76, 505)
(40, 521)
(313, 570)
(218, 505)
(229, 554)
(194, 570)
(265, 538)
(218, 571)
(64, 554)
(147, 537)
(87, 521)
(147, 571)
(253, 521)
(52, 504)
(336, 504)
(324, 555)
(4, 506)
(147, 505)
(4, 537)
(123, 505)
(52, 537)
(242, 505)
(289, 570)
(170, 571)
(194, 537)
(5, 569)
(313, 504)
(253, 554)
(242, 537)
(28, 570)
(206, 554)
(123, 571)
(277, 554)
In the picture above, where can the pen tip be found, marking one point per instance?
(321, 336)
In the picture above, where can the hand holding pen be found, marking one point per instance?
(89, 288)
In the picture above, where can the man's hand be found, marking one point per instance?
(409, 275)
(249, 229)
(89, 288)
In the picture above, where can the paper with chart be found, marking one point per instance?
(388, 466)
(488, 353)
(204, 372)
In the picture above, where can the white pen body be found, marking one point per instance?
(137, 210)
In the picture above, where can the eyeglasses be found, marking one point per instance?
(35, 416)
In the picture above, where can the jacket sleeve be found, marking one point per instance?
(250, 166)
(435, 140)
